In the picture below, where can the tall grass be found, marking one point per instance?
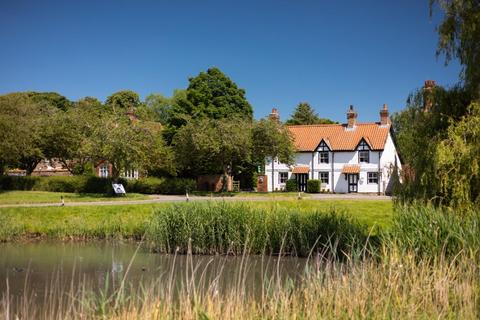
(388, 289)
(431, 231)
(225, 227)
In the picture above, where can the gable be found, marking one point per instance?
(308, 137)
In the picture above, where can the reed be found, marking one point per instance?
(229, 228)
(400, 287)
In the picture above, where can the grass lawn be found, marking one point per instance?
(22, 197)
(245, 194)
(129, 221)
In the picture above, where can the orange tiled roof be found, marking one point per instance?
(301, 170)
(355, 168)
(338, 137)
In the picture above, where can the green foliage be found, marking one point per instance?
(122, 101)
(313, 186)
(22, 123)
(458, 160)
(209, 146)
(291, 185)
(212, 95)
(50, 99)
(418, 134)
(162, 185)
(91, 184)
(221, 227)
(272, 140)
(459, 37)
(304, 114)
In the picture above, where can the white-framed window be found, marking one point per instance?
(103, 170)
(282, 177)
(363, 152)
(323, 151)
(372, 177)
(323, 177)
(130, 174)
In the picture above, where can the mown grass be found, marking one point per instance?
(26, 197)
(131, 221)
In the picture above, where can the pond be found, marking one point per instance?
(38, 269)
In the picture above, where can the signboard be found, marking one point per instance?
(118, 188)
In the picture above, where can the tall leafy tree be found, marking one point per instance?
(213, 146)
(459, 37)
(123, 101)
(212, 95)
(272, 141)
(458, 158)
(22, 121)
(304, 114)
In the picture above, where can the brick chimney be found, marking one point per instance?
(384, 119)
(274, 115)
(351, 118)
(427, 95)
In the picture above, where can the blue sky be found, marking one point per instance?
(328, 53)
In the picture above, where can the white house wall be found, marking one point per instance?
(386, 159)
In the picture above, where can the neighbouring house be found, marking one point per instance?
(104, 170)
(50, 167)
(346, 158)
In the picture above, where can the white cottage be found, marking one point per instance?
(346, 158)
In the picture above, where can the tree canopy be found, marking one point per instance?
(304, 114)
(212, 95)
(123, 100)
(459, 37)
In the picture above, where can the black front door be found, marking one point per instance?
(302, 181)
(352, 182)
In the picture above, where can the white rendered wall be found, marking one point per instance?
(338, 183)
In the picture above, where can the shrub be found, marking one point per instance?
(222, 227)
(291, 186)
(313, 186)
(91, 184)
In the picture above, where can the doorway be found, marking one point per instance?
(302, 181)
(352, 182)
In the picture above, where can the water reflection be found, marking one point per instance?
(103, 265)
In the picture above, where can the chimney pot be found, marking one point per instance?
(384, 119)
(351, 117)
(274, 115)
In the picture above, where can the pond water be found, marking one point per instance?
(39, 267)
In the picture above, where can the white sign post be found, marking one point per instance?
(118, 189)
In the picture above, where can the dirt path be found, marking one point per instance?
(165, 198)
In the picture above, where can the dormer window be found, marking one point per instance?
(323, 152)
(363, 152)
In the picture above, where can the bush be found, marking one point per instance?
(291, 186)
(222, 227)
(313, 186)
(91, 184)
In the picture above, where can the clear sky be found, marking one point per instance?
(328, 53)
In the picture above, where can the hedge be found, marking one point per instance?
(291, 186)
(90, 184)
(313, 186)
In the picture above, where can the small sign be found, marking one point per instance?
(118, 188)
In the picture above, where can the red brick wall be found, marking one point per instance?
(213, 183)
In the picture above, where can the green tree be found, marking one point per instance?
(50, 99)
(22, 121)
(304, 114)
(458, 160)
(272, 141)
(212, 146)
(123, 101)
(459, 37)
(212, 95)
(130, 144)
